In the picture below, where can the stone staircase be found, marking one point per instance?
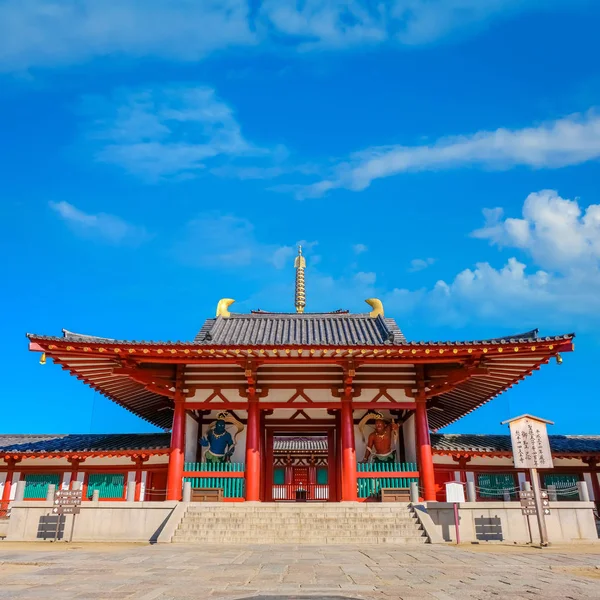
(299, 523)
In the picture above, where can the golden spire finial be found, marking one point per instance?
(300, 265)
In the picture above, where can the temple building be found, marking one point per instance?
(280, 407)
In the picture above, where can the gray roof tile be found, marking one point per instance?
(467, 442)
(326, 329)
(93, 442)
(300, 444)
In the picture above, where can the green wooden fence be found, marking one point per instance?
(36, 485)
(494, 486)
(206, 475)
(370, 486)
(109, 485)
(565, 484)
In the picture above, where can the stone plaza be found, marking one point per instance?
(180, 572)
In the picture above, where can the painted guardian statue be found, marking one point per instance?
(219, 443)
(382, 442)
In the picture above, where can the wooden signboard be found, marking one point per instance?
(531, 447)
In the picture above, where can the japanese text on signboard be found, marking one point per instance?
(531, 448)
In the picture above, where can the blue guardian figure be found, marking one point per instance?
(219, 442)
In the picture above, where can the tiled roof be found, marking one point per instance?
(94, 442)
(300, 444)
(323, 329)
(115, 442)
(319, 329)
(466, 442)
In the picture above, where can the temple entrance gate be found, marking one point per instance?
(301, 466)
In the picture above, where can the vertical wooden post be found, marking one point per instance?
(177, 452)
(331, 470)
(8, 483)
(139, 465)
(268, 483)
(253, 450)
(348, 451)
(75, 462)
(593, 464)
(425, 455)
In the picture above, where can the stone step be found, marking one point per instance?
(301, 540)
(356, 529)
(301, 518)
(241, 523)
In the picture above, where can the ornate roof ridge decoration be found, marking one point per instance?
(300, 291)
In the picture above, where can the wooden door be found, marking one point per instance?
(156, 486)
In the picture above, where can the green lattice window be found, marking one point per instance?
(565, 483)
(36, 484)
(494, 485)
(110, 485)
(322, 476)
(278, 476)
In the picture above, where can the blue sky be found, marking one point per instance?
(156, 156)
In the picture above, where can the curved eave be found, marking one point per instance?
(191, 352)
(505, 369)
(506, 361)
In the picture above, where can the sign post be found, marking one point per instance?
(67, 502)
(455, 493)
(531, 450)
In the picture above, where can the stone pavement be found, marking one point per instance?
(182, 572)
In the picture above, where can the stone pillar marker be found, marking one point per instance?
(20, 495)
(471, 494)
(584, 493)
(130, 496)
(50, 493)
(187, 491)
(414, 492)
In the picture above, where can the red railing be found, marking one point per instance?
(301, 492)
(4, 512)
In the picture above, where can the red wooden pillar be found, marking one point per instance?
(253, 462)
(349, 492)
(331, 470)
(425, 455)
(11, 462)
(75, 462)
(139, 465)
(176, 455)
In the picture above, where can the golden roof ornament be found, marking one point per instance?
(300, 296)
(376, 305)
(222, 307)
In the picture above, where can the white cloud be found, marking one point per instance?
(47, 33)
(561, 241)
(572, 140)
(108, 228)
(367, 278)
(64, 32)
(418, 264)
(217, 241)
(556, 231)
(174, 131)
(359, 248)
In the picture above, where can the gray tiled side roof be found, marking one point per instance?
(299, 444)
(93, 442)
(466, 442)
(327, 329)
